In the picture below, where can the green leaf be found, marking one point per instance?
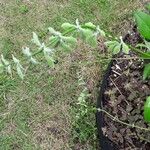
(47, 50)
(70, 40)
(142, 54)
(19, 67)
(4, 61)
(143, 23)
(125, 48)
(1, 68)
(148, 6)
(110, 43)
(92, 41)
(146, 73)
(50, 60)
(113, 46)
(8, 69)
(147, 110)
(90, 25)
(20, 71)
(86, 33)
(15, 59)
(35, 40)
(67, 26)
(53, 41)
(66, 47)
(26, 52)
(116, 49)
(141, 45)
(101, 32)
(6, 64)
(33, 60)
(146, 45)
(52, 31)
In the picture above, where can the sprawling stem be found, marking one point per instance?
(40, 50)
(119, 121)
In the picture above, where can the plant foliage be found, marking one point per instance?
(68, 39)
(143, 23)
(147, 110)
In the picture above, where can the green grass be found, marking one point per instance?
(39, 112)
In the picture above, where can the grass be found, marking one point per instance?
(40, 112)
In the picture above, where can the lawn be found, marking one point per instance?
(42, 111)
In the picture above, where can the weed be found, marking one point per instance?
(83, 129)
(23, 9)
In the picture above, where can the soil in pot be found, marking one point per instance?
(124, 99)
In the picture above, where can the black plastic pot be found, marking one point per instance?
(105, 143)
